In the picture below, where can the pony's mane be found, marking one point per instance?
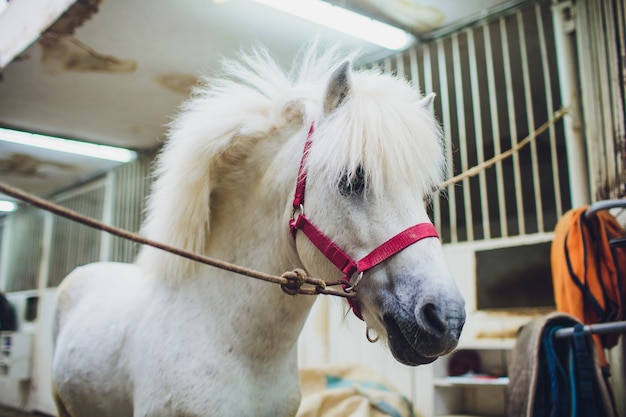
(380, 126)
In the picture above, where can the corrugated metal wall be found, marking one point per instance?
(601, 47)
(72, 243)
(131, 184)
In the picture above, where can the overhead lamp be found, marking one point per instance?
(7, 206)
(346, 21)
(75, 147)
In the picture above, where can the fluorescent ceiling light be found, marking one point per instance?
(110, 153)
(345, 21)
(7, 206)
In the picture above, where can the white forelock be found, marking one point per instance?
(381, 128)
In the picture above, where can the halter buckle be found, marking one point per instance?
(299, 210)
(293, 223)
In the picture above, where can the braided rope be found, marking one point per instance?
(477, 169)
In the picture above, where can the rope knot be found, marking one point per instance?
(295, 280)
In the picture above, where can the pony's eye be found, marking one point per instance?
(352, 184)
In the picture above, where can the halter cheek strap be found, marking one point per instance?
(333, 252)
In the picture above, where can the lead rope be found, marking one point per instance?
(475, 170)
(291, 282)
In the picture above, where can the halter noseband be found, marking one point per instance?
(337, 256)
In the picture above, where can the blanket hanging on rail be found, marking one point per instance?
(589, 276)
(552, 377)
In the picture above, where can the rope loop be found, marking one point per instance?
(295, 280)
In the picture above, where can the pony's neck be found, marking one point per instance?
(251, 205)
(250, 211)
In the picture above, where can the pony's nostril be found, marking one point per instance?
(432, 320)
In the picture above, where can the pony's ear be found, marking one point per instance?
(338, 87)
(427, 102)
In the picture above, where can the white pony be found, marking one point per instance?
(169, 337)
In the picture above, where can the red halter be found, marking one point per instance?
(334, 254)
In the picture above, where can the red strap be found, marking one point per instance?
(381, 253)
(353, 303)
(345, 264)
(396, 244)
(298, 199)
(332, 252)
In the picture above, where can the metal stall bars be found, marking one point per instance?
(496, 82)
(71, 243)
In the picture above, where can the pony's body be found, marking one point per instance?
(167, 337)
(139, 348)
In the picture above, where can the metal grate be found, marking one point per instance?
(23, 255)
(73, 244)
(602, 61)
(496, 83)
(131, 184)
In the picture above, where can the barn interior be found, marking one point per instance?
(114, 73)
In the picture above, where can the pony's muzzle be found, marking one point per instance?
(431, 331)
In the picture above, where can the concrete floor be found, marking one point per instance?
(11, 412)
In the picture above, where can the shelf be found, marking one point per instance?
(487, 344)
(15, 356)
(471, 381)
(481, 390)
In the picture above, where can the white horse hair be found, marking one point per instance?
(169, 337)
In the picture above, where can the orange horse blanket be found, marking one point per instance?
(589, 277)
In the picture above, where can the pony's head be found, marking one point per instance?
(230, 168)
(374, 157)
